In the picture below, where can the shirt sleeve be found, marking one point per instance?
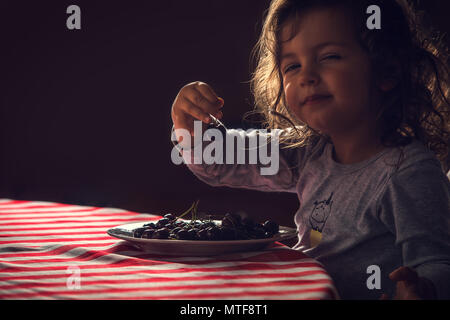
(260, 164)
(416, 208)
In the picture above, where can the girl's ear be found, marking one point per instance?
(390, 78)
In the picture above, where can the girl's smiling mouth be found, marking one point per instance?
(315, 99)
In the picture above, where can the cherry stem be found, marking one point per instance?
(192, 210)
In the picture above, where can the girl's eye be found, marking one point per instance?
(329, 57)
(291, 67)
(332, 57)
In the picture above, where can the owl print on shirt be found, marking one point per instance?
(320, 213)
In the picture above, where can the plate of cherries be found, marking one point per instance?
(206, 236)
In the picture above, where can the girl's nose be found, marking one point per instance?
(308, 77)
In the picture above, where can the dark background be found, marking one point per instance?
(86, 114)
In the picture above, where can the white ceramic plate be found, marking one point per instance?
(196, 247)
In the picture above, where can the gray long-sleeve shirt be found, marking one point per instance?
(372, 216)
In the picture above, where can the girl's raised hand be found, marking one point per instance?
(195, 101)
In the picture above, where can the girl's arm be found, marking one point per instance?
(247, 159)
(416, 208)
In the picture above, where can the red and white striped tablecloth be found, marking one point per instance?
(59, 251)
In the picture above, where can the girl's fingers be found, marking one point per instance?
(404, 274)
(196, 112)
(196, 101)
(197, 98)
(209, 93)
(203, 96)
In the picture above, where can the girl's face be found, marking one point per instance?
(325, 60)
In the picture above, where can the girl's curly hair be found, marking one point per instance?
(417, 108)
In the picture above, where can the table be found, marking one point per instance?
(61, 251)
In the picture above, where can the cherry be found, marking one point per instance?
(162, 233)
(183, 234)
(137, 233)
(271, 226)
(213, 233)
(202, 234)
(170, 217)
(162, 222)
(148, 234)
(192, 234)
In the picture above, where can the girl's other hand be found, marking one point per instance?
(410, 286)
(195, 101)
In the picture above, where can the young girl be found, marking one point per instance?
(364, 121)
